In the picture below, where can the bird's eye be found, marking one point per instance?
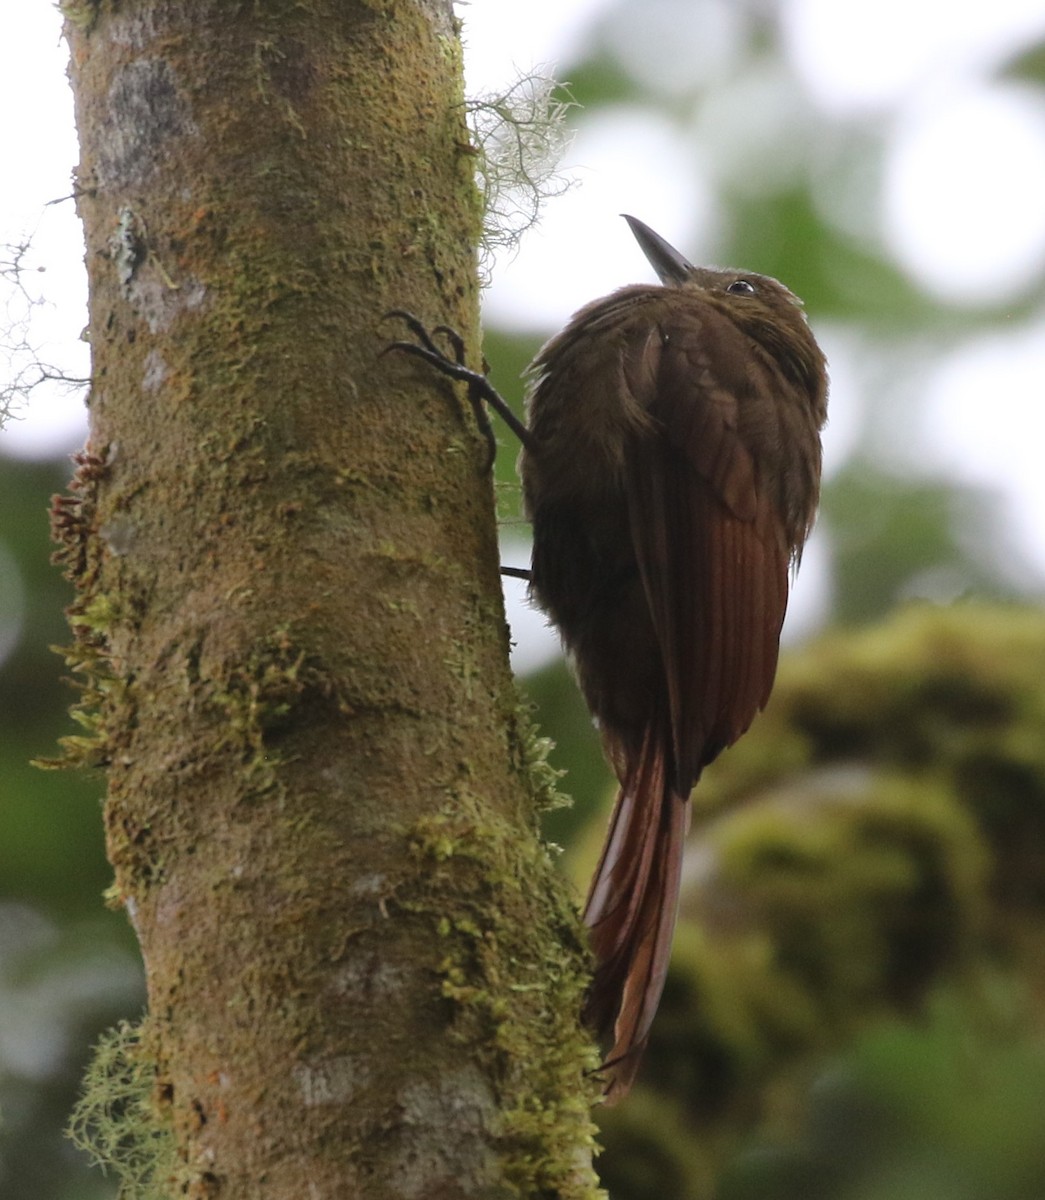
(741, 287)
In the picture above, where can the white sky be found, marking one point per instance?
(963, 196)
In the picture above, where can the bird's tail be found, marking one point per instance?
(631, 910)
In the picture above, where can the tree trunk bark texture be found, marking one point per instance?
(363, 975)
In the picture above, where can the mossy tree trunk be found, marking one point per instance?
(363, 976)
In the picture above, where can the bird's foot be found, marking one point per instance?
(480, 390)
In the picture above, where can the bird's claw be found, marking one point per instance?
(427, 349)
(480, 390)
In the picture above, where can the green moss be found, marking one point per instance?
(98, 613)
(81, 13)
(531, 757)
(854, 893)
(260, 698)
(515, 969)
(101, 695)
(262, 692)
(92, 616)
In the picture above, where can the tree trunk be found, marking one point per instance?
(363, 973)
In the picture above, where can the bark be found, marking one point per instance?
(363, 975)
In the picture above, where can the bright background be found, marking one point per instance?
(885, 159)
(916, 149)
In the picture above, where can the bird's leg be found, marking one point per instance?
(480, 389)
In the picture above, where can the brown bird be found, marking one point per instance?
(671, 470)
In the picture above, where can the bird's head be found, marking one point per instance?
(758, 304)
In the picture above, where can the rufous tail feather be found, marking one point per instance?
(631, 910)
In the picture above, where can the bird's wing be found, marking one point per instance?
(712, 553)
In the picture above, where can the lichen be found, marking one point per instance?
(518, 138)
(116, 1120)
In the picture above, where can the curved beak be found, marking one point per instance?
(670, 266)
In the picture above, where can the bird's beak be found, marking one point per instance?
(670, 266)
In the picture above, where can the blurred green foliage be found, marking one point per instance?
(940, 1111)
(868, 870)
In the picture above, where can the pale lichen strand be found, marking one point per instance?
(117, 1122)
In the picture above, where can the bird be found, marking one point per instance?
(670, 469)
